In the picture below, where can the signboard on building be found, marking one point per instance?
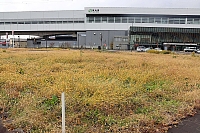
(91, 10)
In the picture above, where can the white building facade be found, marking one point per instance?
(99, 24)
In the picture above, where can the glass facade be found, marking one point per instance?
(100, 18)
(131, 18)
(64, 21)
(160, 35)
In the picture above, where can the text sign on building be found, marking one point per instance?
(93, 10)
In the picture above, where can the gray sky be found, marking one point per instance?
(41, 5)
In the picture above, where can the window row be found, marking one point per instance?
(159, 20)
(121, 39)
(134, 30)
(41, 22)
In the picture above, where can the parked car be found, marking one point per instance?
(158, 49)
(149, 48)
(198, 51)
(141, 49)
(190, 49)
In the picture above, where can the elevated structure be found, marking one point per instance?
(96, 26)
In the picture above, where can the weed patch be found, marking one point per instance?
(105, 92)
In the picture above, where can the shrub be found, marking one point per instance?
(159, 52)
(153, 51)
(193, 54)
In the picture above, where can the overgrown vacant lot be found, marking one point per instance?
(105, 92)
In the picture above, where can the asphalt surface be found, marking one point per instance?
(3, 129)
(188, 125)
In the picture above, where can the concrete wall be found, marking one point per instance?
(139, 10)
(81, 40)
(37, 15)
(29, 16)
(121, 46)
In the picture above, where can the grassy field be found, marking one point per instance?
(105, 91)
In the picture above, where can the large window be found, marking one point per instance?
(190, 21)
(104, 19)
(182, 20)
(176, 20)
(151, 20)
(7, 22)
(145, 20)
(20, 22)
(118, 20)
(47, 22)
(91, 19)
(28, 22)
(158, 20)
(124, 20)
(110, 19)
(13, 22)
(35, 22)
(137, 19)
(131, 19)
(196, 20)
(53, 22)
(171, 20)
(164, 20)
(97, 19)
(59, 22)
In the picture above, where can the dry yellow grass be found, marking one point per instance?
(105, 92)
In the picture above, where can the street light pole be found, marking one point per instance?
(46, 42)
(78, 40)
(101, 39)
(19, 41)
(94, 43)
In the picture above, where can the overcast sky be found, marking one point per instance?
(41, 5)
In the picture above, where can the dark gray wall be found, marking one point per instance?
(107, 37)
(81, 39)
(84, 39)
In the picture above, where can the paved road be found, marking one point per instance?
(188, 125)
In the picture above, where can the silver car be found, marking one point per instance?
(198, 51)
(141, 49)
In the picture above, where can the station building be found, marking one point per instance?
(107, 27)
